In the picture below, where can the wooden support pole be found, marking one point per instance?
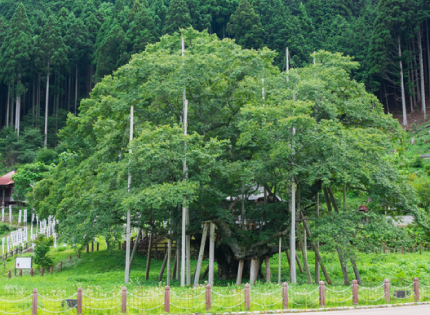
(239, 272)
(299, 263)
(50, 270)
(201, 253)
(124, 300)
(167, 299)
(178, 262)
(133, 253)
(416, 289)
(268, 273)
(88, 248)
(355, 292)
(211, 253)
(208, 297)
(148, 261)
(304, 253)
(163, 266)
(169, 260)
(279, 260)
(255, 264)
(285, 296)
(247, 296)
(34, 304)
(98, 246)
(322, 293)
(31, 272)
(387, 290)
(92, 246)
(79, 302)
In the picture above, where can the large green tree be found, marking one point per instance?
(177, 17)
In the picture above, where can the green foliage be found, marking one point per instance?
(417, 162)
(177, 17)
(27, 176)
(245, 26)
(41, 250)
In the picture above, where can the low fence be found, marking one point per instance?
(210, 298)
(16, 251)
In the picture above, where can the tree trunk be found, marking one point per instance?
(327, 199)
(423, 96)
(38, 100)
(333, 201)
(68, 90)
(148, 261)
(7, 105)
(343, 267)
(18, 105)
(304, 253)
(46, 107)
(163, 266)
(133, 253)
(317, 253)
(76, 89)
(34, 102)
(428, 53)
(405, 118)
(356, 272)
(386, 97)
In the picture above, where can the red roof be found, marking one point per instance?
(361, 208)
(7, 179)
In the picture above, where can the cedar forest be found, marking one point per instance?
(257, 121)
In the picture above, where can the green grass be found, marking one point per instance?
(101, 276)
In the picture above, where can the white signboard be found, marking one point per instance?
(23, 262)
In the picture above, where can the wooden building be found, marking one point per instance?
(7, 186)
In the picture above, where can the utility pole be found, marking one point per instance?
(127, 234)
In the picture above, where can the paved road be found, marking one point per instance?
(398, 310)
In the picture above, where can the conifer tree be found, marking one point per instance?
(159, 11)
(142, 31)
(178, 16)
(50, 51)
(245, 26)
(16, 54)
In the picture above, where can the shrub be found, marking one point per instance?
(418, 162)
(42, 248)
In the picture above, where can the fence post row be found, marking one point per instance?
(34, 305)
(387, 290)
(416, 289)
(355, 292)
(322, 293)
(285, 295)
(208, 297)
(79, 302)
(167, 299)
(247, 296)
(124, 300)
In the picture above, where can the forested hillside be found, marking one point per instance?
(54, 52)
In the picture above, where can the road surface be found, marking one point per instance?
(396, 310)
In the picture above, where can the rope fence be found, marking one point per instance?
(210, 298)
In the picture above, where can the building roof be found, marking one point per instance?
(7, 179)
(363, 208)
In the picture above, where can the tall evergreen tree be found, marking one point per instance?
(178, 16)
(142, 30)
(245, 26)
(159, 10)
(16, 55)
(50, 51)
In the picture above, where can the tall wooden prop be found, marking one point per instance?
(211, 252)
(423, 95)
(127, 235)
(201, 253)
(279, 260)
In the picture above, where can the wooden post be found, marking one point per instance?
(387, 290)
(92, 246)
(247, 296)
(88, 248)
(34, 305)
(50, 270)
(322, 293)
(355, 292)
(169, 259)
(9, 274)
(148, 260)
(285, 296)
(201, 253)
(211, 253)
(41, 271)
(239, 272)
(61, 265)
(268, 275)
(20, 272)
(416, 289)
(98, 246)
(279, 260)
(163, 266)
(79, 302)
(31, 272)
(124, 300)
(254, 270)
(208, 297)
